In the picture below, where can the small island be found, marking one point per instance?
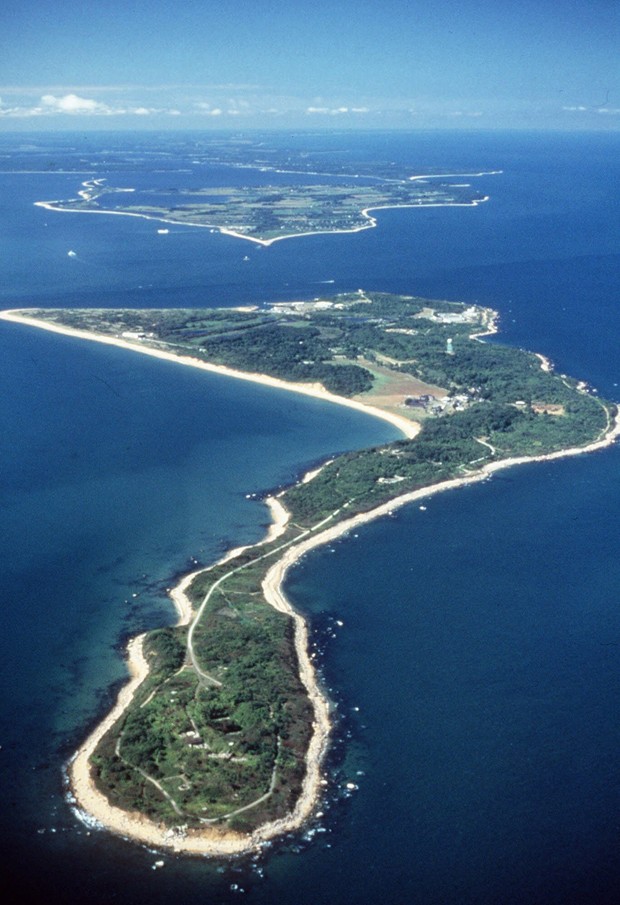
(217, 743)
(268, 213)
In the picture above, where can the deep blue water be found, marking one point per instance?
(480, 638)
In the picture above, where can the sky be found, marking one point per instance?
(236, 64)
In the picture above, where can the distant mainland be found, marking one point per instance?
(217, 743)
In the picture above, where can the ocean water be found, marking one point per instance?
(476, 673)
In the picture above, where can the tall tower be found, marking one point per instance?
(449, 349)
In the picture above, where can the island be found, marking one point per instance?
(268, 213)
(217, 743)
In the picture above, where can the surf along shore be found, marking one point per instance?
(217, 842)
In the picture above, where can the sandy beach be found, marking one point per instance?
(408, 428)
(93, 806)
(215, 842)
(265, 243)
(365, 212)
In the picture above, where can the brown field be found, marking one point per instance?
(391, 388)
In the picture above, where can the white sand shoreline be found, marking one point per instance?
(214, 842)
(265, 243)
(409, 428)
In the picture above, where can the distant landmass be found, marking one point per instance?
(267, 213)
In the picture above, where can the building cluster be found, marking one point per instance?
(470, 315)
(443, 405)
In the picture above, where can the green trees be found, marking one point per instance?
(201, 744)
(288, 352)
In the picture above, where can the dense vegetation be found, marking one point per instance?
(291, 353)
(225, 740)
(446, 448)
(191, 752)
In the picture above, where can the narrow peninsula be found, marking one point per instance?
(217, 743)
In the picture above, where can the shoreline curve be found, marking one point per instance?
(91, 804)
(409, 428)
(265, 243)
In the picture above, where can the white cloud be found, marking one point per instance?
(613, 111)
(63, 105)
(217, 102)
(207, 109)
(465, 113)
(21, 112)
(335, 111)
(72, 103)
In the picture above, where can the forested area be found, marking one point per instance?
(201, 743)
(213, 748)
(290, 353)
